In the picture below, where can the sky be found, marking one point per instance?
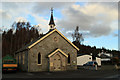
(97, 21)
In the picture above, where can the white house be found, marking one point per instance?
(98, 60)
(105, 56)
(83, 59)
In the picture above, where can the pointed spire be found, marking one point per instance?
(51, 23)
(51, 19)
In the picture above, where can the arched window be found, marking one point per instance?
(68, 58)
(23, 58)
(19, 59)
(39, 58)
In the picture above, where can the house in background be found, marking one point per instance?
(84, 58)
(98, 60)
(105, 56)
(52, 52)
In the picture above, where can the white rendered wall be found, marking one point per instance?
(83, 59)
(98, 60)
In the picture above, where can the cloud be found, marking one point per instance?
(21, 19)
(4, 18)
(43, 23)
(94, 19)
(15, 10)
(44, 7)
(98, 19)
(12, 10)
(115, 35)
(100, 30)
(4, 14)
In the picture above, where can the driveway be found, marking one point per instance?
(103, 73)
(81, 73)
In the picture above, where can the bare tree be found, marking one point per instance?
(77, 36)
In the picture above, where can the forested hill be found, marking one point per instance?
(88, 49)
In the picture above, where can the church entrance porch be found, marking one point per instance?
(57, 61)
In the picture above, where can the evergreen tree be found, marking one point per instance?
(23, 34)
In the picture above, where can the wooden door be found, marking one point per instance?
(57, 63)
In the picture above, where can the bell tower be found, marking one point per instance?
(51, 23)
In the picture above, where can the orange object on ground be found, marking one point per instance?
(9, 65)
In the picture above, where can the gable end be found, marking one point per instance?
(50, 34)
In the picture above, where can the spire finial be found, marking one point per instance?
(51, 9)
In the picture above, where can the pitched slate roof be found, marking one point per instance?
(81, 54)
(26, 46)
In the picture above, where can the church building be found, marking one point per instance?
(52, 52)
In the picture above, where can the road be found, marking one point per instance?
(68, 74)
